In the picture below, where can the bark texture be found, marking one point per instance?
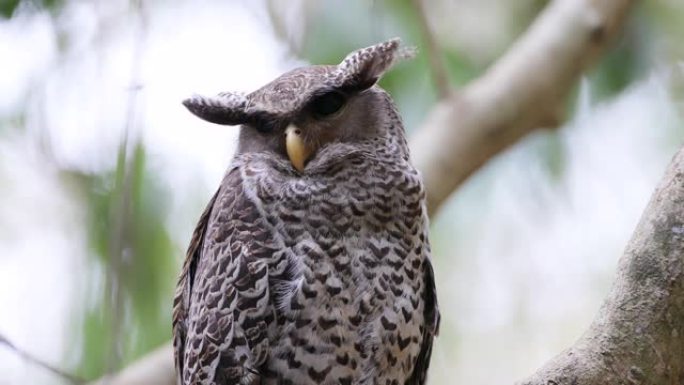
(637, 336)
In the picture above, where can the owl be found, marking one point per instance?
(311, 263)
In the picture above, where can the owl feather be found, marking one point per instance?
(314, 271)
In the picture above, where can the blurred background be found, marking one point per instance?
(103, 174)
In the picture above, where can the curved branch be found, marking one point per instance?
(526, 89)
(638, 335)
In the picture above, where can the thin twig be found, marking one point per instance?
(26, 356)
(439, 72)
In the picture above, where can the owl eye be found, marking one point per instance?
(328, 104)
(263, 123)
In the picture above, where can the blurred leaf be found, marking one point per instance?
(461, 70)
(664, 19)
(7, 7)
(622, 63)
(52, 5)
(129, 241)
(551, 152)
(329, 37)
(151, 276)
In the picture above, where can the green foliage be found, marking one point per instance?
(616, 70)
(460, 69)
(130, 244)
(7, 7)
(622, 63)
(550, 150)
(329, 39)
(663, 19)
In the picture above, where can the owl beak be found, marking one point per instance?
(297, 150)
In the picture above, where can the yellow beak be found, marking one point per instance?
(296, 149)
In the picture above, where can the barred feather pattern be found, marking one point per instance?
(316, 279)
(320, 277)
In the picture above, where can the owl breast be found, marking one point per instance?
(347, 287)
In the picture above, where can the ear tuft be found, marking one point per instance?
(225, 108)
(362, 68)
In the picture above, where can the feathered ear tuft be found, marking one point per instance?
(361, 69)
(225, 108)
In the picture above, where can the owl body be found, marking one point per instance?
(313, 276)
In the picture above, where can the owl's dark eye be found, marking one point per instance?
(327, 104)
(264, 123)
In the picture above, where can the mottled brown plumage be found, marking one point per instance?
(318, 274)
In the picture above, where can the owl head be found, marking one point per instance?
(301, 112)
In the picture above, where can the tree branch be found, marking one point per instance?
(523, 91)
(526, 89)
(637, 337)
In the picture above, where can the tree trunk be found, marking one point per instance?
(637, 336)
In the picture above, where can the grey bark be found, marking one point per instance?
(636, 337)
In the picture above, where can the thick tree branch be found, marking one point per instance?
(638, 335)
(523, 91)
(526, 89)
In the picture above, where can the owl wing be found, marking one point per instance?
(432, 318)
(183, 288)
(222, 308)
